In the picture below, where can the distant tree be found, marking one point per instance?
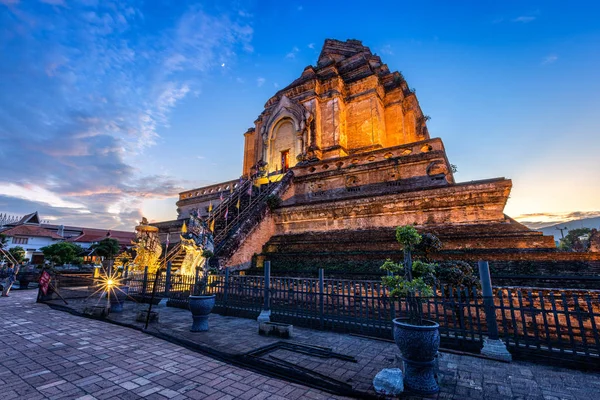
(571, 241)
(62, 252)
(77, 261)
(18, 253)
(107, 248)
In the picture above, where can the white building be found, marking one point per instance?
(31, 234)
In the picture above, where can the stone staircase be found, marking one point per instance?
(230, 232)
(235, 218)
(175, 255)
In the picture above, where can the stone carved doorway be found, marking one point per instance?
(282, 146)
(285, 160)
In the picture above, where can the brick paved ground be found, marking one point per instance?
(51, 354)
(462, 377)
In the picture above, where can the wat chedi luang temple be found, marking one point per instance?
(338, 159)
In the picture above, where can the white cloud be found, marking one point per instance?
(54, 2)
(549, 59)
(386, 50)
(292, 54)
(541, 220)
(311, 45)
(38, 193)
(260, 82)
(524, 19)
(97, 91)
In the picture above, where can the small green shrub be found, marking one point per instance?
(273, 201)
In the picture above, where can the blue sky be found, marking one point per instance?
(108, 109)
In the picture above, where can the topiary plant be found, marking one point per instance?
(429, 244)
(410, 280)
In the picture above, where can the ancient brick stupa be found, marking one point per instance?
(347, 150)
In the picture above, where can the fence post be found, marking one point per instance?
(265, 314)
(225, 290)
(391, 300)
(321, 297)
(168, 280)
(145, 282)
(493, 347)
(196, 279)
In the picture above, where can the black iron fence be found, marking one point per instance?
(560, 322)
(551, 322)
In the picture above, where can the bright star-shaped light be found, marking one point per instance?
(108, 285)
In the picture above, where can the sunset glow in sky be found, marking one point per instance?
(109, 108)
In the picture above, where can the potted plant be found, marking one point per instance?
(417, 338)
(200, 302)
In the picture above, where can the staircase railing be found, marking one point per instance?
(227, 201)
(172, 253)
(219, 239)
(234, 221)
(218, 211)
(9, 257)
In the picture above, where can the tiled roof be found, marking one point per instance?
(30, 230)
(25, 227)
(91, 235)
(27, 217)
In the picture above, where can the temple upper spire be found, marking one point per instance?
(348, 103)
(337, 50)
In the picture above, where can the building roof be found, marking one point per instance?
(32, 218)
(30, 230)
(91, 235)
(30, 225)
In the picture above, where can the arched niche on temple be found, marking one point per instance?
(285, 135)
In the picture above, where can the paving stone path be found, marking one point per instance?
(48, 353)
(462, 377)
(51, 354)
